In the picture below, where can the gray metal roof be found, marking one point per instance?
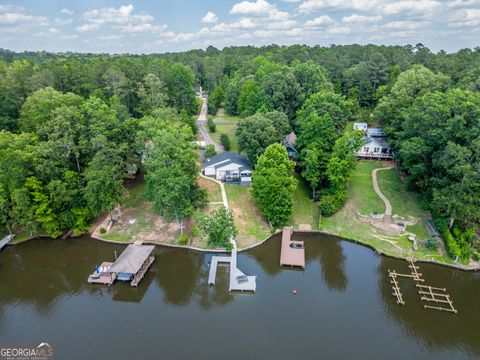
(382, 141)
(290, 139)
(226, 158)
(132, 259)
(375, 132)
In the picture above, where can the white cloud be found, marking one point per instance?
(281, 25)
(355, 18)
(67, 11)
(70, 37)
(464, 18)
(411, 6)
(122, 15)
(405, 25)
(319, 21)
(60, 22)
(142, 28)
(13, 18)
(210, 18)
(243, 23)
(339, 30)
(53, 30)
(16, 19)
(309, 6)
(259, 8)
(463, 3)
(109, 37)
(87, 27)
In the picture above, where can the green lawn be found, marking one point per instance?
(226, 126)
(251, 225)
(139, 222)
(304, 210)
(362, 198)
(404, 203)
(212, 188)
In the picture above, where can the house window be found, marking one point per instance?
(376, 149)
(366, 149)
(246, 174)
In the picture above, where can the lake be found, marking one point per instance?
(344, 306)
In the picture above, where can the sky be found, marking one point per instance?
(158, 26)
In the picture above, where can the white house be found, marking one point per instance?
(228, 167)
(375, 145)
(360, 126)
(289, 143)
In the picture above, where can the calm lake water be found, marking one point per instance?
(344, 307)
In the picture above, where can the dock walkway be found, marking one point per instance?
(238, 281)
(212, 274)
(292, 252)
(5, 241)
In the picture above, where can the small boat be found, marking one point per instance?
(124, 276)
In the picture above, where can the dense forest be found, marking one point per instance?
(73, 126)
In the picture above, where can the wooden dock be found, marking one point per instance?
(427, 293)
(395, 287)
(134, 262)
(103, 277)
(6, 240)
(142, 271)
(292, 253)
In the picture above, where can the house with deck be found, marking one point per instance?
(228, 167)
(375, 146)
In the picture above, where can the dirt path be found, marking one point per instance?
(388, 205)
(201, 123)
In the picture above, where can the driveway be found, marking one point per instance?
(202, 127)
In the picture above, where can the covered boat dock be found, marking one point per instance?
(131, 266)
(292, 252)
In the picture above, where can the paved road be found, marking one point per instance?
(388, 205)
(202, 127)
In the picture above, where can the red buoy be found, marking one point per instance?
(294, 292)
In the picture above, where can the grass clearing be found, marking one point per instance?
(305, 211)
(212, 188)
(251, 225)
(362, 198)
(226, 127)
(139, 222)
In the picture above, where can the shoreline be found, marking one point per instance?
(358, 242)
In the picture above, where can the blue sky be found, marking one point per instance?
(147, 26)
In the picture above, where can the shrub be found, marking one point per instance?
(103, 230)
(458, 242)
(225, 140)
(210, 151)
(198, 103)
(331, 203)
(229, 247)
(212, 127)
(182, 239)
(431, 244)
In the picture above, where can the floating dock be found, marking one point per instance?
(238, 281)
(292, 252)
(132, 264)
(212, 274)
(103, 276)
(5, 241)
